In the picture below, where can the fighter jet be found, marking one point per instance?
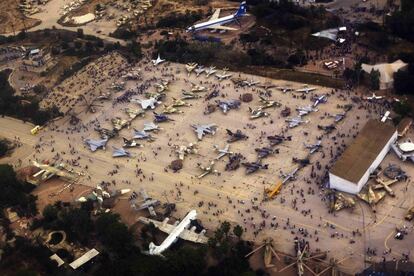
(150, 126)
(374, 97)
(222, 152)
(182, 150)
(202, 130)
(236, 136)
(94, 145)
(227, 105)
(119, 123)
(265, 152)
(133, 75)
(104, 96)
(254, 166)
(120, 152)
(157, 61)
(179, 103)
(339, 117)
(306, 110)
(197, 88)
(278, 139)
(268, 103)
(319, 99)
(294, 122)
(189, 96)
(199, 70)
(190, 67)
(211, 70)
(148, 103)
(159, 118)
(171, 110)
(147, 203)
(313, 147)
(305, 90)
(106, 133)
(161, 87)
(289, 176)
(257, 113)
(339, 201)
(132, 143)
(328, 129)
(133, 113)
(370, 196)
(142, 135)
(48, 171)
(267, 85)
(223, 75)
(285, 89)
(207, 170)
(155, 95)
(103, 197)
(118, 86)
(250, 83)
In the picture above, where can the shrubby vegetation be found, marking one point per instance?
(16, 194)
(21, 107)
(179, 20)
(180, 50)
(401, 23)
(3, 148)
(284, 13)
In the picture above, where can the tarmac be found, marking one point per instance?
(298, 211)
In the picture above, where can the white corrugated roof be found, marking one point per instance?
(84, 258)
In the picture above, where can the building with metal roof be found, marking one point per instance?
(352, 170)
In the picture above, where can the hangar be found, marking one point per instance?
(352, 170)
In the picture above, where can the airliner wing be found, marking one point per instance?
(215, 15)
(224, 28)
(192, 236)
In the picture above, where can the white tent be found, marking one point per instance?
(387, 71)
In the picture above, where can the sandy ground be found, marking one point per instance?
(227, 191)
(12, 20)
(51, 13)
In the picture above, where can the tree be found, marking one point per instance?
(16, 194)
(225, 227)
(77, 224)
(402, 108)
(50, 213)
(113, 234)
(80, 33)
(135, 48)
(238, 231)
(374, 78)
(3, 147)
(403, 82)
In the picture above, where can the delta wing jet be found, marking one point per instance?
(94, 145)
(157, 61)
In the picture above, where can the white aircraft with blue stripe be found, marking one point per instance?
(217, 23)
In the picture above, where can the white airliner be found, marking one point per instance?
(216, 23)
(178, 230)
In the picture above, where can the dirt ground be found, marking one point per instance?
(12, 20)
(232, 195)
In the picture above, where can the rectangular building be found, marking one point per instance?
(352, 170)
